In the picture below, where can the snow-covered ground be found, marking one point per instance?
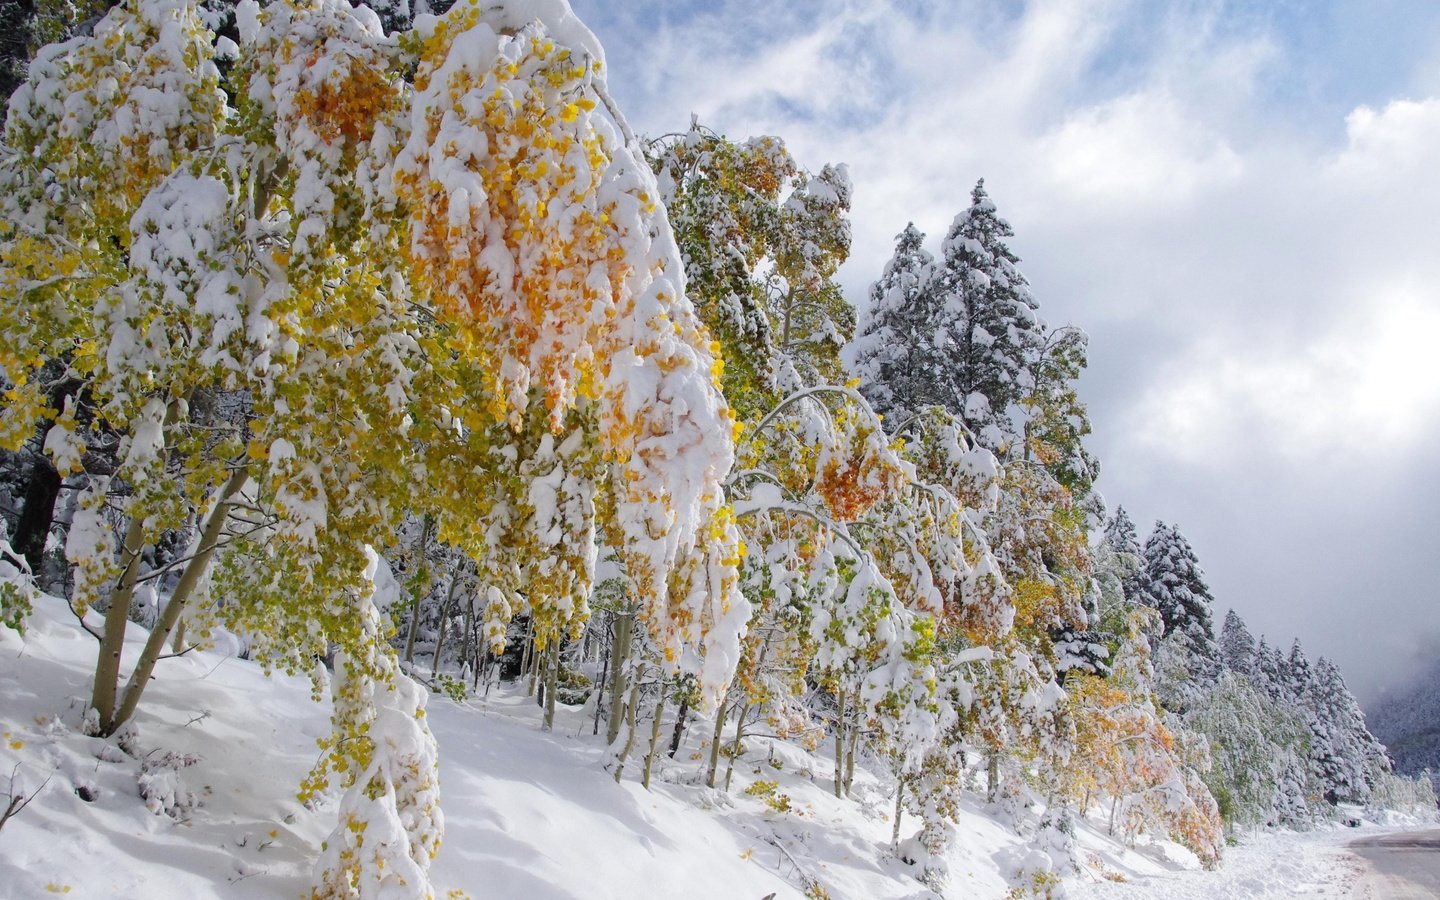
(528, 813)
(1266, 865)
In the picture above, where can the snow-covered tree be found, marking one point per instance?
(762, 240)
(1175, 587)
(1237, 646)
(1123, 541)
(414, 257)
(1346, 757)
(903, 356)
(990, 315)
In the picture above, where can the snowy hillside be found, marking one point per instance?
(199, 801)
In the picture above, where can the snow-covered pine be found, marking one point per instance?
(1123, 541)
(1237, 646)
(991, 319)
(902, 353)
(1175, 586)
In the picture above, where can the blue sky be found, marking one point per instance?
(1236, 200)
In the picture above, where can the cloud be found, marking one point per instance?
(1369, 388)
(1140, 147)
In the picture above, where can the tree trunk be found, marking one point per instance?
(620, 656)
(992, 777)
(189, 580)
(552, 680)
(840, 743)
(42, 486)
(850, 754)
(899, 810)
(112, 641)
(679, 732)
(417, 590)
(735, 745)
(600, 688)
(444, 620)
(630, 725)
(654, 736)
(527, 656)
(715, 743)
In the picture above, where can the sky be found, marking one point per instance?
(1238, 201)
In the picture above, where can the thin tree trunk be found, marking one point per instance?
(417, 590)
(527, 657)
(112, 641)
(552, 680)
(444, 621)
(467, 634)
(630, 725)
(679, 732)
(624, 628)
(899, 811)
(735, 746)
(190, 579)
(850, 754)
(600, 688)
(715, 743)
(840, 743)
(654, 736)
(992, 777)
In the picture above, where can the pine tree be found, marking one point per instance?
(1268, 671)
(990, 315)
(1237, 647)
(1296, 679)
(1175, 587)
(1124, 543)
(1348, 757)
(902, 354)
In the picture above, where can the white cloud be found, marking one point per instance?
(1137, 150)
(1367, 390)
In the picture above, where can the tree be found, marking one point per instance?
(414, 259)
(1124, 543)
(762, 240)
(902, 353)
(1175, 587)
(990, 315)
(1237, 647)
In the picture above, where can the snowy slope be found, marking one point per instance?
(528, 814)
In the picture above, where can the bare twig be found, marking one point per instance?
(19, 801)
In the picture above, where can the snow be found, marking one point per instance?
(219, 750)
(1279, 864)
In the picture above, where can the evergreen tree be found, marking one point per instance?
(1268, 671)
(1237, 647)
(1121, 538)
(1349, 759)
(990, 315)
(902, 355)
(1295, 677)
(1175, 587)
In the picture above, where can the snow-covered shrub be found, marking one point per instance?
(160, 785)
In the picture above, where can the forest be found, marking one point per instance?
(382, 351)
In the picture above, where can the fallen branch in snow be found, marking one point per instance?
(809, 883)
(19, 801)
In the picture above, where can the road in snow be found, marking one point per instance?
(1401, 866)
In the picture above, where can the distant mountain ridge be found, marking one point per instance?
(1407, 722)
